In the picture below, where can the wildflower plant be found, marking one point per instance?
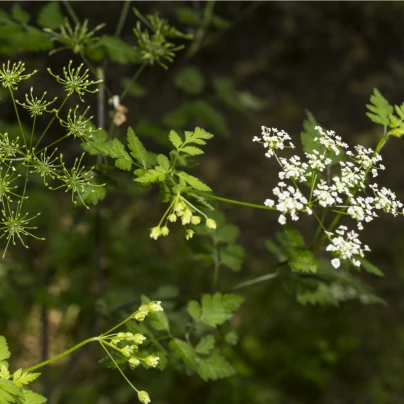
(76, 38)
(154, 43)
(330, 176)
(26, 155)
(119, 347)
(315, 184)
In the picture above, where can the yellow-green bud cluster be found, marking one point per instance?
(143, 397)
(181, 209)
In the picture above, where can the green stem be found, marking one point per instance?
(53, 143)
(132, 80)
(71, 12)
(55, 358)
(250, 205)
(200, 34)
(260, 278)
(117, 366)
(50, 122)
(117, 326)
(122, 18)
(32, 133)
(18, 117)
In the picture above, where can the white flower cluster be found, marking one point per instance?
(272, 139)
(290, 201)
(344, 191)
(346, 245)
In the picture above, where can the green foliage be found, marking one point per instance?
(185, 351)
(379, 108)
(214, 309)
(205, 345)
(156, 47)
(12, 386)
(113, 49)
(215, 367)
(201, 342)
(76, 38)
(299, 258)
(50, 15)
(190, 80)
(116, 150)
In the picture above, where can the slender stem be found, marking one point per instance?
(200, 34)
(122, 18)
(71, 12)
(117, 366)
(65, 353)
(51, 121)
(53, 143)
(32, 133)
(18, 117)
(259, 279)
(97, 221)
(250, 205)
(132, 80)
(117, 326)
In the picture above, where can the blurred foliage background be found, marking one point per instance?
(251, 64)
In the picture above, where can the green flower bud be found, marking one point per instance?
(180, 206)
(127, 351)
(155, 232)
(151, 361)
(154, 306)
(211, 224)
(134, 362)
(143, 397)
(195, 220)
(138, 338)
(141, 313)
(164, 231)
(115, 341)
(186, 217)
(172, 218)
(189, 233)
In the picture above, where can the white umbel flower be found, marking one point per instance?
(346, 246)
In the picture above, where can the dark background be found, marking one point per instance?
(325, 57)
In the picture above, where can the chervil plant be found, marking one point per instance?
(26, 154)
(120, 347)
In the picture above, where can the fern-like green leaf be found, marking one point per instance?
(9, 392)
(215, 367)
(20, 378)
(379, 108)
(4, 351)
(205, 345)
(185, 351)
(175, 139)
(155, 174)
(218, 308)
(50, 16)
(193, 182)
(137, 149)
(33, 398)
(115, 149)
(192, 150)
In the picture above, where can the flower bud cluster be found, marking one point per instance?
(182, 210)
(346, 191)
